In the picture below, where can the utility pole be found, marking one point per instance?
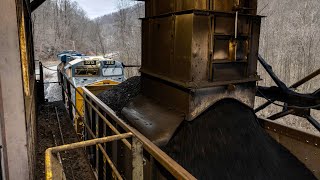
(73, 45)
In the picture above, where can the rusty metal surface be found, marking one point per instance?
(24, 55)
(167, 94)
(180, 64)
(187, 53)
(192, 102)
(201, 53)
(56, 171)
(305, 146)
(137, 159)
(204, 98)
(159, 7)
(158, 123)
(53, 168)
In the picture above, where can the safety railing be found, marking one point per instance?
(116, 159)
(54, 169)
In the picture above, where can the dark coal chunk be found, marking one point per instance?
(118, 96)
(227, 142)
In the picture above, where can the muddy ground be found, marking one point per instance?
(75, 163)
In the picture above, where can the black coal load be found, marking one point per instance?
(225, 142)
(118, 96)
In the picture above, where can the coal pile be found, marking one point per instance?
(225, 142)
(118, 96)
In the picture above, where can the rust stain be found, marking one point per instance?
(24, 57)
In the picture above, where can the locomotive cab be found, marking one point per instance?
(113, 70)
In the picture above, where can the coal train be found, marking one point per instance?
(195, 100)
(88, 71)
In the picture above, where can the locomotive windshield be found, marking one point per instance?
(86, 71)
(114, 71)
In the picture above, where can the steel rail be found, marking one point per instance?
(58, 119)
(49, 152)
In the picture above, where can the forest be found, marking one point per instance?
(290, 43)
(289, 40)
(63, 25)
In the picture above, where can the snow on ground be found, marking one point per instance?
(52, 89)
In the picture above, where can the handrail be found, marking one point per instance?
(95, 109)
(50, 151)
(167, 162)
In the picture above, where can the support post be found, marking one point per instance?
(41, 84)
(69, 100)
(137, 159)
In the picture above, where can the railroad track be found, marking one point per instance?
(55, 137)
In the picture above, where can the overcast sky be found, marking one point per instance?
(96, 8)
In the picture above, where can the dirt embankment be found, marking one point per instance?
(75, 163)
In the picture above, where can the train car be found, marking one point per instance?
(65, 57)
(94, 72)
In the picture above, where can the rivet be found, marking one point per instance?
(307, 141)
(275, 130)
(316, 144)
(306, 158)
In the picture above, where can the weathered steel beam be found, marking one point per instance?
(269, 70)
(281, 114)
(261, 107)
(288, 96)
(306, 79)
(35, 4)
(314, 122)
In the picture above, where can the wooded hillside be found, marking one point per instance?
(63, 25)
(289, 35)
(290, 40)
